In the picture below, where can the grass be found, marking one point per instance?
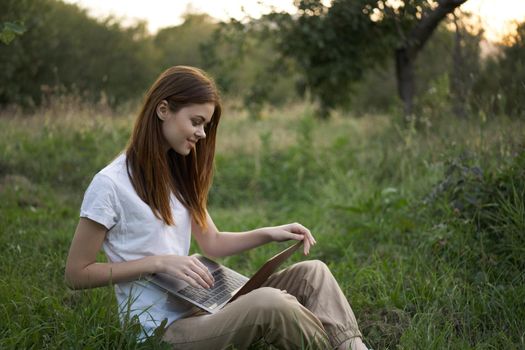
(424, 229)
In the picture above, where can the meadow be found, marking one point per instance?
(423, 227)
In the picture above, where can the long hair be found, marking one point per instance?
(155, 173)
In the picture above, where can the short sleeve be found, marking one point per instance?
(100, 202)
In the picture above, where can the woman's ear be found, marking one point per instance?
(162, 110)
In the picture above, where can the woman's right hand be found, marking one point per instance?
(188, 269)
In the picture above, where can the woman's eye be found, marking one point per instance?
(195, 123)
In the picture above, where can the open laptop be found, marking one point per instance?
(228, 285)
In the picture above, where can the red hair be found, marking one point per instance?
(155, 173)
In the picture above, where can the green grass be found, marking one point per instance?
(424, 229)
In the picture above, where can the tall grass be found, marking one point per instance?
(424, 229)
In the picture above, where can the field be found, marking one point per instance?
(424, 227)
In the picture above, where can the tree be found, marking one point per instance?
(181, 44)
(335, 45)
(500, 88)
(465, 63)
(63, 50)
(414, 40)
(244, 59)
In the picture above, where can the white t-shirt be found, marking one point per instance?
(133, 233)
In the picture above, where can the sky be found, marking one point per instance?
(496, 15)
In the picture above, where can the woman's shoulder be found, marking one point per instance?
(115, 170)
(113, 175)
(101, 201)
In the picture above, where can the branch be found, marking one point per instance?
(423, 30)
(391, 12)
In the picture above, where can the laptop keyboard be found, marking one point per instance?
(225, 283)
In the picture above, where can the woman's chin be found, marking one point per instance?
(182, 151)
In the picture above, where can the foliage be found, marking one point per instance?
(56, 56)
(244, 58)
(377, 90)
(339, 56)
(493, 204)
(499, 88)
(10, 30)
(64, 50)
(182, 44)
(334, 46)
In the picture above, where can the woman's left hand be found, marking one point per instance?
(293, 231)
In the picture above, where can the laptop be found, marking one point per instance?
(228, 285)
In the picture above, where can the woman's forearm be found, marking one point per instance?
(230, 243)
(219, 244)
(103, 274)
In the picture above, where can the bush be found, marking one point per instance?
(492, 204)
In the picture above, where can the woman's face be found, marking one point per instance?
(184, 128)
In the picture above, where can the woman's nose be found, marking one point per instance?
(200, 133)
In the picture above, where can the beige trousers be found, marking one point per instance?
(301, 307)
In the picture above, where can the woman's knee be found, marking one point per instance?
(268, 298)
(312, 267)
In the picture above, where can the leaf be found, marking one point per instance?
(16, 28)
(10, 30)
(6, 37)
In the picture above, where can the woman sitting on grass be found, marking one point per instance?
(142, 209)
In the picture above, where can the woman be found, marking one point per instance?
(142, 209)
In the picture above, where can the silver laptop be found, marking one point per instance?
(228, 284)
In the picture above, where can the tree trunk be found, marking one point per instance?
(412, 44)
(405, 80)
